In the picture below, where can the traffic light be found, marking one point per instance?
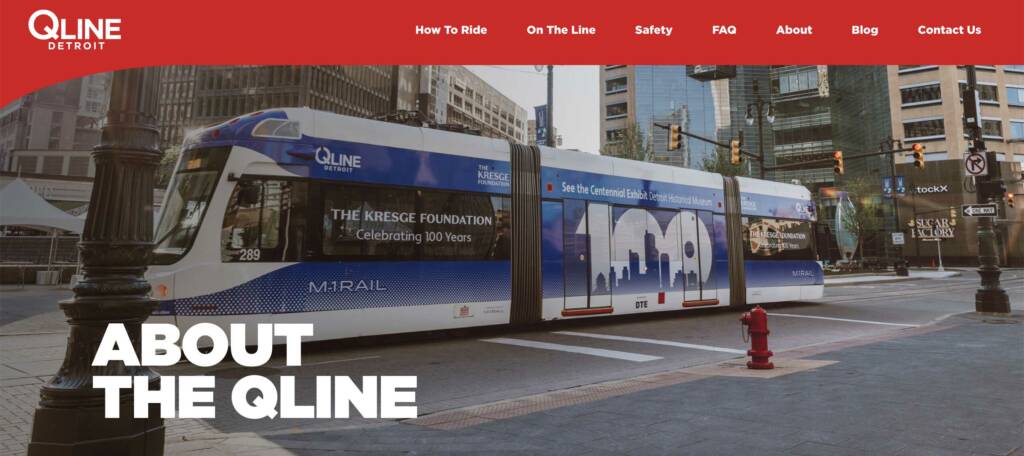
(736, 157)
(1009, 200)
(837, 163)
(675, 137)
(918, 155)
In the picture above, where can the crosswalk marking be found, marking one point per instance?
(869, 322)
(627, 356)
(670, 343)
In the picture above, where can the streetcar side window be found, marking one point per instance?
(264, 221)
(360, 223)
(767, 238)
(398, 224)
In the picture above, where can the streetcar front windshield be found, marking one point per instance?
(187, 199)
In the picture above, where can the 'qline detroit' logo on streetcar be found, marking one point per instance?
(336, 161)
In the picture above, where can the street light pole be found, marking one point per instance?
(115, 250)
(759, 105)
(551, 107)
(991, 297)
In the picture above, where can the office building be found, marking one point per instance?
(198, 96)
(455, 96)
(706, 100)
(64, 116)
(193, 97)
(926, 106)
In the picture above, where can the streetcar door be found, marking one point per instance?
(577, 259)
(705, 246)
(599, 236)
(691, 256)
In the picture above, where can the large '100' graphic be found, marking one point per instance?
(648, 250)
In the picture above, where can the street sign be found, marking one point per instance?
(897, 239)
(976, 164)
(978, 210)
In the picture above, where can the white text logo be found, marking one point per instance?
(79, 35)
(933, 189)
(337, 162)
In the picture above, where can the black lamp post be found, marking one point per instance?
(115, 249)
(991, 297)
(760, 106)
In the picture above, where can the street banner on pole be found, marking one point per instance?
(887, 186)
(901, 186)
(541, 113)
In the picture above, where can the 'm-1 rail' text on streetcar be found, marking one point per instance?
(366, 228)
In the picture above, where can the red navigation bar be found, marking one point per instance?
(67, 39)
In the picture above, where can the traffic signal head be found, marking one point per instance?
(837, 163)
(735, 156)
(1009, 199)
(675, 137)
(918, 155)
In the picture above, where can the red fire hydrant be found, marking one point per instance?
(757, 327)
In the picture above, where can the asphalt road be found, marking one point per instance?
(469, 368)
(485, 366)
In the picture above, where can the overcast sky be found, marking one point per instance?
(576, 98)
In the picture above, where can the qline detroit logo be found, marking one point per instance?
(79, 34)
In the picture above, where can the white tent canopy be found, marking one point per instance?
(20, 206)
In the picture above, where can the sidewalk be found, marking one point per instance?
(950, 388)
(874, 278)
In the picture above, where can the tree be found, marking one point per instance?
(632, 144)
(866, 220)
(720, 163)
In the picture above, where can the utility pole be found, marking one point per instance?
(991, 297)
(759, 104)
(115, 249)
(900, 264)
(551, 142)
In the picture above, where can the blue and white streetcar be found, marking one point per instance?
(366, 228)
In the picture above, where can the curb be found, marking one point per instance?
(898, 279)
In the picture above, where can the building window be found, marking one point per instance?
(921, 94)
(1017, 129)
(987, 93)
(615, 111)
(78, 166)
(803, 134)
(924, 129)
(795, 82)
(904, 69)
(616, 85)
(1015, 96)
(614, 135)
(27, 164)
(990, 128)
(53, 165)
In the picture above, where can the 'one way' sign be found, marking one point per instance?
(978, 210)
